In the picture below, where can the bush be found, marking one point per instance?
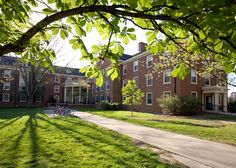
(175, 105)
(105, 105)
(232, 106)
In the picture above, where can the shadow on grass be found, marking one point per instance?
(187, 123)
(93, 142)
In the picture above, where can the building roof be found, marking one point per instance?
(7, 60)
(125, 57)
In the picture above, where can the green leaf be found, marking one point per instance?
(64, 34)
(48, 11)
(202, 35)
(89, 27)
(180, 71)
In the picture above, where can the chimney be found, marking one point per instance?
(142, 46)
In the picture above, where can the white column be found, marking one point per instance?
(203, 102)
(79, 94)
(72, 94)
(225, 102)
(216, 102)
(65, 95)
(87, 96)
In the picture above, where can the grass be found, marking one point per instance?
(28, 138)
(218, 128)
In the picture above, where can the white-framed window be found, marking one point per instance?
(124, 82)
(149, 61)
(167, 76)
(125, 69)
(57, 98)
(194, 94)
(6, 97)
(56, 89)
(207, 80)
(135, 66)
(107, 85)
(193, 76)
(166, 94)
(102, 88)
(149, 80)
(97, 99)
(149, 98)
(57, 79)
(7, 73)
(6, 85)
(22, 97)
(102, 97)
(97, 88)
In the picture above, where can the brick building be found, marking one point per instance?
(66, 85)
(139, 67)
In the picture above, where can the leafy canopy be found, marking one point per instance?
(194, 27)
(132, 94)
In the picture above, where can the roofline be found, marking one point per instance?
(136, 56)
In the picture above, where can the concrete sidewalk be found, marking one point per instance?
(190, 151)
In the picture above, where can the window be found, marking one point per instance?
(149, 80)
(97, 89)
(108, 98)
(56, 89)
(102, 98)
(7, 73)
(102, 87)
(207, 80)
(193, 76)
(167, 76)
(149, 98)
(38, 97)
(22, 97)
(5, 97)
(57, 98)
(124, 82)
(57, 79)
(135, 64)
(194, 94)
(6, 85)
(107, 85)
(68, 71)
(166, 94)
(149, 61)
(97, 99)
(124, 69)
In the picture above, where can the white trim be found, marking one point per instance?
(209, 78)
(194, 92)
(108, 84)
(8, 84)
(149, 58)
(164, 75)
(56, 89)
(136, 57)
(193, 70)
(164, 92)
(57, 78)
(134, 65)
(150, 74)
(147, 98)
(6, 100)
(125, 68)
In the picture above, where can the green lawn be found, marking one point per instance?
(217, 128)
(28, 138)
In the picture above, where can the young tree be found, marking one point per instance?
(132, 95)
(196, 27)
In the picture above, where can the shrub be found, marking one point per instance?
(175, 105)
(232, 106)
(105, 105)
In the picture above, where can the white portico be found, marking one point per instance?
(76, 91)
(214, 98)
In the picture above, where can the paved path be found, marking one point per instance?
(191, 151)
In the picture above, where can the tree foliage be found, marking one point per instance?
(132, 94)
(203, 28)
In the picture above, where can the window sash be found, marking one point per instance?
(135, 66)
(6, 85)
(149, 98)
(167, 76)
(193, 76)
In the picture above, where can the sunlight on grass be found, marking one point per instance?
(217, 128)
(31, 139)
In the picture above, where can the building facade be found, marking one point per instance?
(66, 85)
(139, 67)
